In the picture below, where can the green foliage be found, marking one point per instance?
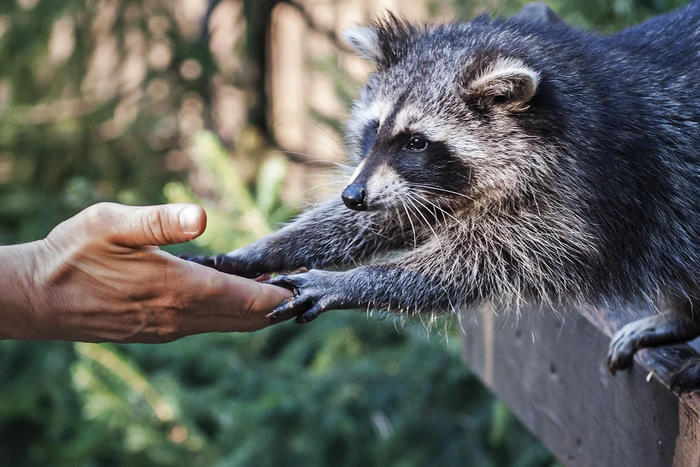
(69, 138)
(238, 216)
(347, 391)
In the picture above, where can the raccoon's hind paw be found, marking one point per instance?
(687, 378)
(222, 263)
(314, 292)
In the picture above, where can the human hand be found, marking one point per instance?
(100, 277)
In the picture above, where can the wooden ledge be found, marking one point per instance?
(551, 373)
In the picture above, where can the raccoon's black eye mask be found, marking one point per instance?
(369, 136)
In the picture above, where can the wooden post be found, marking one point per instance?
(551, 373)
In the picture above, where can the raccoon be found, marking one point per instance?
(510, 161)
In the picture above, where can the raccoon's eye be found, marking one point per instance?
(416, 144)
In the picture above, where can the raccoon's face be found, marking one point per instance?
(403, 164)
(435, 127)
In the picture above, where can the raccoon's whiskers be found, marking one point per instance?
(413, 227)
(332, 114)
(437, 239)
(326, 146)
(410, 199)
(342, 166)
(399, 217)
(360, 238)
(337, 182)
(313, 159)
(444, 213)
(316, 124)
(423, 201)
(435, 188)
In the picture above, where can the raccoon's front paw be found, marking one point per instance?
(314, 292)
(228, 264)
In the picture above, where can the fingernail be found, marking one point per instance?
(189, 220)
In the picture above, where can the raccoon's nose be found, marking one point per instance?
(354, 197)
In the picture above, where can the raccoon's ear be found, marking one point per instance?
(502, 81)
(537, 12)
(384, 43)
(365, 42)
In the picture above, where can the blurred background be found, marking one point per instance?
(237, 105)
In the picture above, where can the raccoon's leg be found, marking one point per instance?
(328, 235)
(678, 324)
(408, 285)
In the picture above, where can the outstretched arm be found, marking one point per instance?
(99, 277)
(415, 283)
(330, 235)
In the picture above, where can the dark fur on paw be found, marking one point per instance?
(625, 344)
(223, 263)
(314, 293)
(654, 330)
(687, 378)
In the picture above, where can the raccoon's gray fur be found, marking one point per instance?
(511, 161)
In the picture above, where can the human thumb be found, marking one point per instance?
(154, 225)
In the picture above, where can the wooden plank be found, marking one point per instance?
(551, 373)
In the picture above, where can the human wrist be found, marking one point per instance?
(20, 301)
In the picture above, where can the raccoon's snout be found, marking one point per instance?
(355, 197)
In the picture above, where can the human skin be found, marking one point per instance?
(100, 277)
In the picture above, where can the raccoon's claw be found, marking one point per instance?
(286, 282)
(313, 295)
(621, 352)
(626, 342)
(223, 263)
(288, 309)
(297, 305)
